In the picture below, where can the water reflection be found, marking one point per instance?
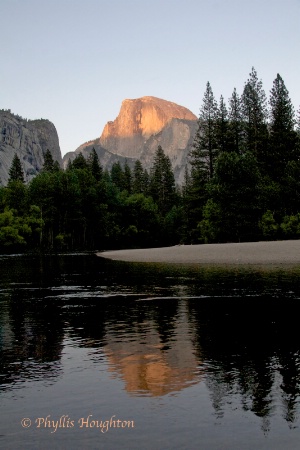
(161, 329)
(154, 354)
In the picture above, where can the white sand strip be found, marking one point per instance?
(254, 253)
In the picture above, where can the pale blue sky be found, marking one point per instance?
(74, 61)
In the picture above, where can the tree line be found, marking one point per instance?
(242, 184)
(87, 208)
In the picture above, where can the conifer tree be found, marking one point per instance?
(16, 172)
(205, 147)
(94, 165)
(254, 108)
(283, 138)
(202, 159)
(138, 178)
(222, 126)
(117, 175)
(146, 182)
(127, 178)
(48, 165)
(162, 182)
(80, 162)
(298, 122)
(235, 126)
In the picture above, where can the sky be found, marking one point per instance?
(73, 62)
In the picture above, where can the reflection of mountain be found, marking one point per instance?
(149, 366)
(161, 330)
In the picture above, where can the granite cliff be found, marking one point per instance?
(29, 139)
(142, 125)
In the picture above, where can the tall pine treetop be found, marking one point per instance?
(205, 147)
(16, 172)
(282, 113)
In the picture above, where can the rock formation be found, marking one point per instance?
(29, 139)
(140, 127)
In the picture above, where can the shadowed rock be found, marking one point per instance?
(29, 139)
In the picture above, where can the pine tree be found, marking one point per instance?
(254, 108)
(235, 126)
(16, 172)
(138, 178)
(80, 162)
(117, 175)
(162, 182)
(94, 165)
(202, 159)
(282, 116)
(283, 138)
(48, 165)
(298, 122)
(205, 148)
(127, 178)
(222, 126)
(146, 182)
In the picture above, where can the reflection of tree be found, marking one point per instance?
(32, 337)
(165, 317)
(194, 322)
(290, 372)
(251, 350)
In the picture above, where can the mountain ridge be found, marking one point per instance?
(141, 125)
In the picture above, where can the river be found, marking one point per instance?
(99, 354)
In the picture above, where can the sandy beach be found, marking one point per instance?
(246, 253)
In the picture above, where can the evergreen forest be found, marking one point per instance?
(242, 184)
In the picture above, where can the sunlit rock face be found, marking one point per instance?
(29, 139)
(137, 121)
(141, 126)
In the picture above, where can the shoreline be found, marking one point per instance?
(228, 254)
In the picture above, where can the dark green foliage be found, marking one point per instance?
(118, 176)
(141, 221)
(268, 225)
(138, 182)
(222, 127)
(94, 165)
(254, 110)
(291, 226)
(162, 182)
(16, 196)
(205, 147)
(291, 187)
(235, 134)
(195, 196)
(234, 190)
(48, 165)
(16, 172)
(127, 178)
(79, 162)
(283, 138)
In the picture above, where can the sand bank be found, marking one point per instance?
(246, 253)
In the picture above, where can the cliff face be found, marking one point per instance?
(140, 127)
(137, 121)
(29, 139)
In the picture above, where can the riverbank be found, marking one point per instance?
(244, 253)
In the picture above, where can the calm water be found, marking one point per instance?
(108, 355)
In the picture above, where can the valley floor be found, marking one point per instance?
(246, 253)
